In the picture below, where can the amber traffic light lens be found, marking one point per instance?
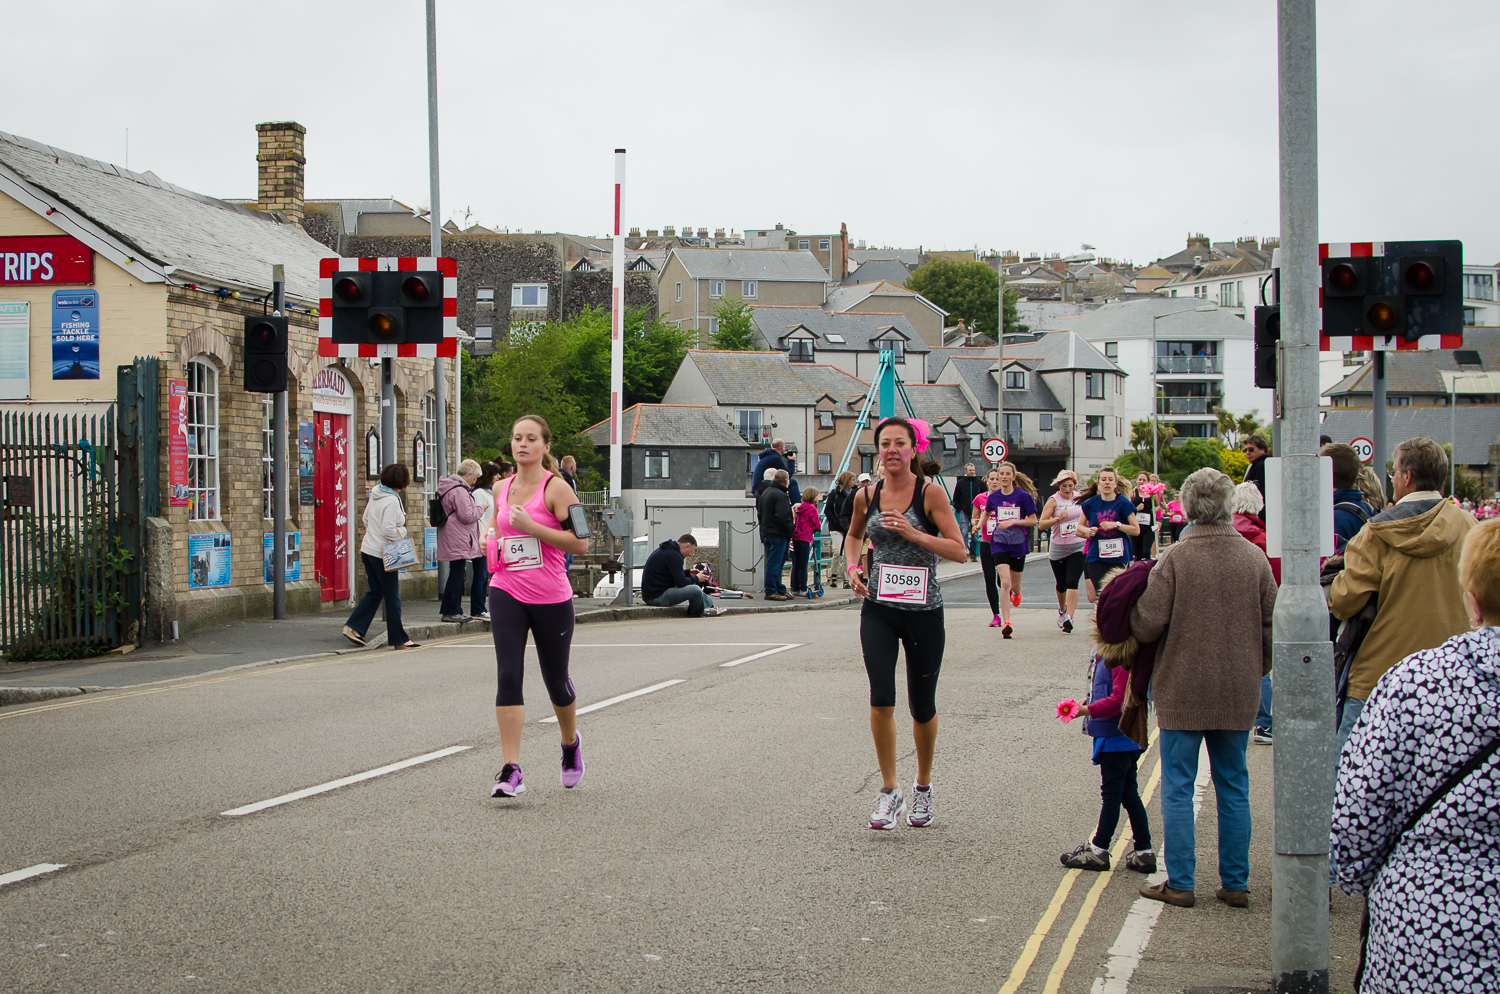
(1421, 277)
(348, 290)
(1343, 278)
(381, 325)
(1383, 316)
(416, 289)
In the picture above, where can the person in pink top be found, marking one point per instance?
(805, 525)
(529, 592)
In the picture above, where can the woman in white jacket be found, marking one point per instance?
(385, 521)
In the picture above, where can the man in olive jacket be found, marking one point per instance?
(1407, 556)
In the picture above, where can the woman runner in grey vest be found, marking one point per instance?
(909, 524)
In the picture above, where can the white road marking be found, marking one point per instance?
(622, 697)
(16, 876)
(1130, 945)
(637, 645)
(768, 652)
(298, 795)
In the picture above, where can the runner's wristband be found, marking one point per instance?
(850, 570)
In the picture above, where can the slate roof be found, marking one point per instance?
(939, 357)
(1123, 319)
(770, 378)
(776, 321)
(977, 375)
(1417, 372)
(1217, 269)
(163, 225)
(893, 270)
(773, 265)
(934, 402)
(1478, 427)
(1060, 350)
(911, 258)
(683, 425)
(841, 298)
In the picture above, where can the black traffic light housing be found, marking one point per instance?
(1267, 334)
(387, 307)
(1415, 289)
(265, 354)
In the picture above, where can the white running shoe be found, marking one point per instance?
(921, 807)
(1061, 617)
(888, 808)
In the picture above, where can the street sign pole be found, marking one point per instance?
(434, 218)
(1302, 656)
(278, 467)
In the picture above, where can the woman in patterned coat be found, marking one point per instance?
(1434, 893)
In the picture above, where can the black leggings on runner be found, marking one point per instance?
(1095, 570)
(987, 564)
(882, 630)
(551, 625)
(1067, 572)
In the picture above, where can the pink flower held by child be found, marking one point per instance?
(1068, 710)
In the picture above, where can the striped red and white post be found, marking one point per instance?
(617, 328)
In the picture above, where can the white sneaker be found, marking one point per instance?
(888, 808)
(921, 807)
(1061, 617)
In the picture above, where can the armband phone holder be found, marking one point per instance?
(578, 522)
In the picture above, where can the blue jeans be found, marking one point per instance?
(1263, 716)
(1179, 769)
(965, 519)
(775, 559)
(1353, 708)
(383, 586)
(697, 599)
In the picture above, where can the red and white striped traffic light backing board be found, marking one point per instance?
(1418, 286)
(362, 312)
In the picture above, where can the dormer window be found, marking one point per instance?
(1015, 379)
(801, 350)
(895, 346)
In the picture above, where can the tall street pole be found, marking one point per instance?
(278, 467)
(617, 332)
(1302, 656)
(439, 380)
(1155, 445)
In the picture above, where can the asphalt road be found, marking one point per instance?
(718, 841)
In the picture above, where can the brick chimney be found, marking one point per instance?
(281, 167)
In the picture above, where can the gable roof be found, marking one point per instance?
(841, 298)
(939, 357)
(979, 375)
(911, 258)
(891, 270)
(857, 328)
(935, 402)
(1419, 372)
(154, 229)
(693, 425)
(770, 378)
(772, 265)
(1181, 320)
(1061, 350)
(1217, 269)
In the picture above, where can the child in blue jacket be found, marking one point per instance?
(1116, 755)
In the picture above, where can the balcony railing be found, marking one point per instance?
(1187, 405)
(1189, 364)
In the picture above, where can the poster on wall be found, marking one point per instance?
(429, 548)
(293, 556)
(15, 349)
(208, 560)
(305, 463)
(75, 335)
(419, 458)
(372, 455)
(177, 442)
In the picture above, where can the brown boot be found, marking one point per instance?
(1169, 895)
(1234, 898)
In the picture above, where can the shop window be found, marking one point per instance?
(203, 439)
(429, 442)
(267, 454)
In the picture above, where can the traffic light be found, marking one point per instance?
(387, 307)
(1409, 290)
(265, 354)
(1267, 334)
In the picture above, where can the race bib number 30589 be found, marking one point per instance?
(903, 584)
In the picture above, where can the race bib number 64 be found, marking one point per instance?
(521, 552)
(903, 584)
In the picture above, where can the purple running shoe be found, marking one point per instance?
(508, 782)
(572, 762)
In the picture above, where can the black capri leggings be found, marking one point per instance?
(552, 627)
(1095, 570)
(987, 564)
(881, 630)
(1068, 571)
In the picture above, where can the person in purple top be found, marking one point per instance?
(1013, 510)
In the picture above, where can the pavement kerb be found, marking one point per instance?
(35, 695)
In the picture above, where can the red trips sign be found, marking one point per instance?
(45, 260)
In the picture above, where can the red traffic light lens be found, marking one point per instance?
(262, 336)
(1419, 276)
(349, 290)
(416, 289)
(1343, 278)
(1382, 316)
(381, 325)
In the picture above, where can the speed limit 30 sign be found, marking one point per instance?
(994, 450)
(1364, 448)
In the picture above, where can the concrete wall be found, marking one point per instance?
(688, 469)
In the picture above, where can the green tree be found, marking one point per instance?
(1234, 428)
(1140, 441)
(1191, 456)
(736, 327)
(967, 290)
(653, 354)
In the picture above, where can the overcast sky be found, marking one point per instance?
(1028, 126)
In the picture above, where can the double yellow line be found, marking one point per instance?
(1081, 921)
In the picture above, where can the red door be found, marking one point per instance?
(331, 503)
